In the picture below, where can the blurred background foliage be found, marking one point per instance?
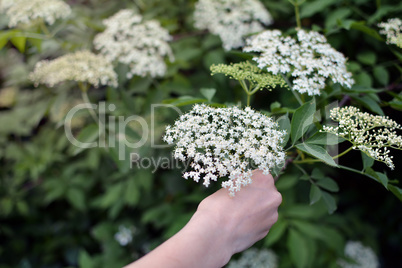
(61, 206)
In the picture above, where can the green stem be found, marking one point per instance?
(378, 2)
(298, 22)
(299, 100)
(85, 97)
(343, 153)
(44, 29)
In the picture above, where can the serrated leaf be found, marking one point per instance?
(298, 248)
(315, 194)
(184, 100)
(383, 179)
(370, 104)
(301, 120)
(328, 184)
(318, 152)
(208, 93)
(329, 202)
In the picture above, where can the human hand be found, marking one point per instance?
(245, 218)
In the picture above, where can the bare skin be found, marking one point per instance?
(221, 227)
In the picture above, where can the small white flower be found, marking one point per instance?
(142, 45)
(81, 66)
(309, 60)
(393, 30)
(124, 236)
(231, 19)
(29, 11)
(254, 258)
(364, 257)
(225, 142)
(372, 134)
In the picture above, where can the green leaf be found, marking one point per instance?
(370, 104)
(4, 36)
(383, 179)
(286, 181)
(323, 138)
(112, 194)
(298, 249)
(84, 260)
(87, 135)
(276, 232)
(337, 14)
(328, 184)
(19, 42)
(76, 197)
(317, 174)
(367, 57)
(360, 26)
(301, 120)
(308, 9)
(208, 93)
(367, 161)
(132, 194)
(329, 202)
(381, 74)
(315, 194)
(396, 191)
(318, 152)
(364, 79)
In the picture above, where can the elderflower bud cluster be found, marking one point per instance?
(226, 142)
(309, 60)
(29, 11)
(246, 71)
(81, 66)
(140, 45)
(363, 257)
(231, 19)
(254, 258)
(372, 134)
(393, 30)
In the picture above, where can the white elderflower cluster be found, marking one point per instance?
(226, 142)
(124, 236)
(310, 60)
(363, 257)
(254, 258)
(393, 30)
(372, 134)
(81, 66)
(231, 19)
(142, 45)
(29, 11)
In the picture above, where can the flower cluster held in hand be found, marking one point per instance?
(309, 60)
(231, 19)
(131, 41)
(30, 11)
(372, 134)
(361, 256)
(393, 30)
(226, 142)
(81, 66)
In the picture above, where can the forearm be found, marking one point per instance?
(201, 243)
